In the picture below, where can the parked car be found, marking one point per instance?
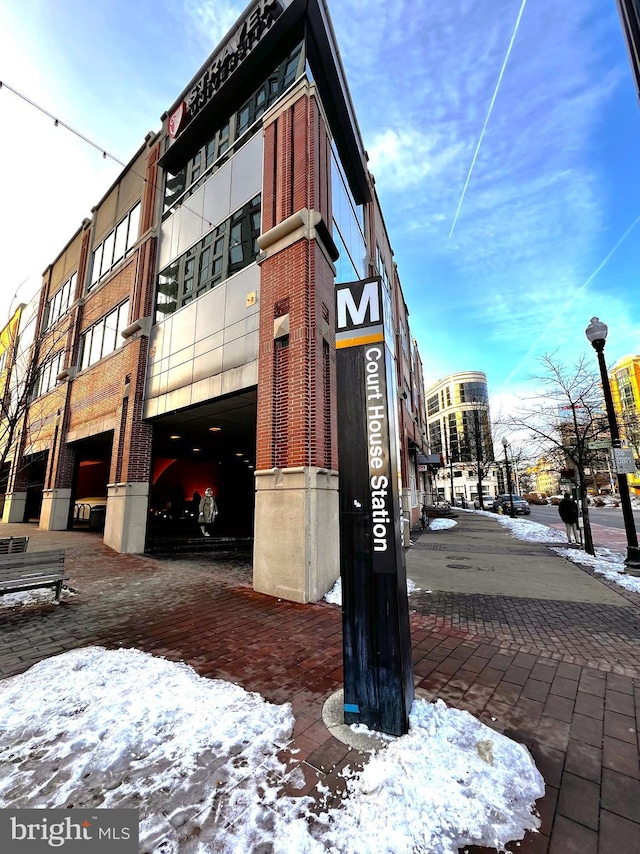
(487, 501)
(520, 506)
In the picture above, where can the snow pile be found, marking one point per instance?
(534, 532)
(334, 596)
(199, 759)
(96, 728)
(33, 597)
(451, 781)
(605, 562)
(441, 524)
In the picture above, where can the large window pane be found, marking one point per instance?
(120, 246)
(107, 254)
(96, 343)
(96, 263)
(134, 226)
(222, 252)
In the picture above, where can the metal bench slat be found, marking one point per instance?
(28, 571)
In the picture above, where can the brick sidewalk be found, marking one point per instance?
(513, 663)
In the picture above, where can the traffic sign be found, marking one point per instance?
(624, 460)
(600, 445)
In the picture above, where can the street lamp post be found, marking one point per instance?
(509, 487)
(596, 333)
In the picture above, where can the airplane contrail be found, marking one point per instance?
(569, 303)
(486, 121)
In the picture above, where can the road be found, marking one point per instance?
(607, 524)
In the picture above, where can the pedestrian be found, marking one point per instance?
(568, 510)
(208, 511)
(424, 519)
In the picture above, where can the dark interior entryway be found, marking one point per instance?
(91, 476)
(209, 445)
(35, 471)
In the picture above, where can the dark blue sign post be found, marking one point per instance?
(378, 675)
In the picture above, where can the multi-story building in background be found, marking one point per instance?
(186, 331)
(625, 390)
(459, 428)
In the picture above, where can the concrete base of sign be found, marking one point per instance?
(54, 514)
(365, 742)
(126, 520)
(296, 539)
(333, 719)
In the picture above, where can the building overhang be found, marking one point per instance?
(285, 23)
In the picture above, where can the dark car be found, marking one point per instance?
(520, 506)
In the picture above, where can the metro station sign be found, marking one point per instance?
(378, 681)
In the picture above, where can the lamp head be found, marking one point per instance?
(504, 444)
(596, 333)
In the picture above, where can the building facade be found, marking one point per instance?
(624, 379)
(186, 333)
(459, 429)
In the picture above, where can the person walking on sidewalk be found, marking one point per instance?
(208, 511)
(568, 510)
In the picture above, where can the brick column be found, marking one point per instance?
(296, 455)
(128, 489)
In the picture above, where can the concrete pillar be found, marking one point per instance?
(15, 504)
(296, 552)
(126, 521)
(54, 515)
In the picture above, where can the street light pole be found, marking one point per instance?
(596, 333)
(509, 487)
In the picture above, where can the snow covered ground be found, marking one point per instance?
(202, 760)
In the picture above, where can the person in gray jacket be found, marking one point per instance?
(208, 511)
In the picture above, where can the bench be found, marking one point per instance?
(13, 545)
(30, 570)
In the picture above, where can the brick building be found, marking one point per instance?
(186, 332)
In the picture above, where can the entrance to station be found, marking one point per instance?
(214, 445)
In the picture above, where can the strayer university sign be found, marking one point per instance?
(378, 680)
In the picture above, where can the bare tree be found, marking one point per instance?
(562, 420)
(30, 364)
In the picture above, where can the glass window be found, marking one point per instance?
(348, 234)
(134, 226)
(183, 183)
(107, 254)
(115, 245)
(96, 263)
(104, 336)
(47, 374)
(227, 249)
(59, 303)
(96, 343)
(120, 245)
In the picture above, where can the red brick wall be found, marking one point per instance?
(296, 388)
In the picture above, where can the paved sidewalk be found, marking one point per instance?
(560, 674)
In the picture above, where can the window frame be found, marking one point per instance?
(88, 340)
(100, 268)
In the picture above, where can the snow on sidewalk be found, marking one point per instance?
(95, 728)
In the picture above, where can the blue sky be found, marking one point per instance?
(555, 186)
